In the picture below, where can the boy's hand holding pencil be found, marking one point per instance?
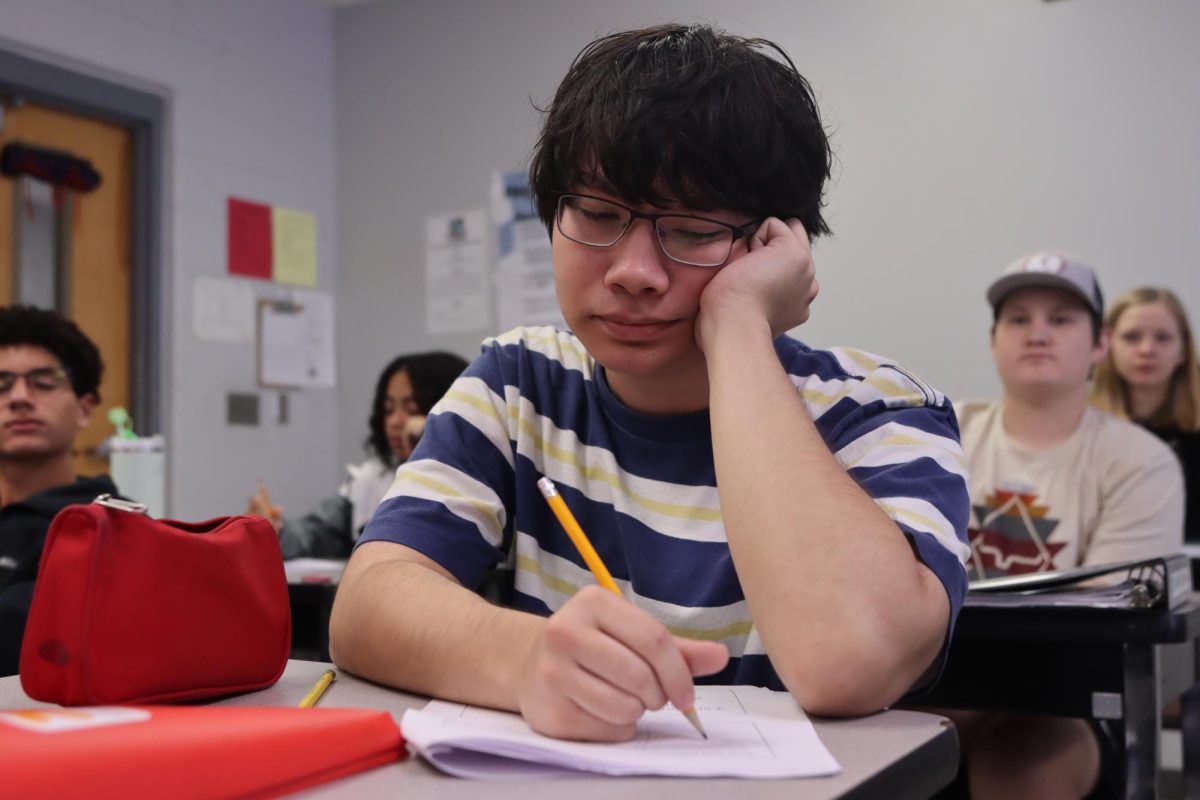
(601, 662)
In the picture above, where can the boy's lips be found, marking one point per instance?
(24, 424)
(635, 328)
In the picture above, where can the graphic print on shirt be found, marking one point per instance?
(1012, 533)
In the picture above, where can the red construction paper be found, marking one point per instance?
(249, 239)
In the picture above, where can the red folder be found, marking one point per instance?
(189, 751)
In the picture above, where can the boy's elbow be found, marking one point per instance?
(340, 634)
(842, 691)
(828, 696)
(853, 678)
(350, 617)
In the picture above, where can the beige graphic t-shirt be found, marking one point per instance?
(1111, 492)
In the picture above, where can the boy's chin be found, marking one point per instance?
(647, 362)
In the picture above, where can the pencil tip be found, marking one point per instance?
(694, 718)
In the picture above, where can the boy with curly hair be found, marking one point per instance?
(49, 384)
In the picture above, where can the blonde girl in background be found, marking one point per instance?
(1150, 376)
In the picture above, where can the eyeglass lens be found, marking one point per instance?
(44, 379)
(600, 223)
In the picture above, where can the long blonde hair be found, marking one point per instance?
(1182, 406)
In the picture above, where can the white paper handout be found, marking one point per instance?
(524, 271)
(752, 733)
(456, 273)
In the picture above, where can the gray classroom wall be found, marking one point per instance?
(966, 131)
(250, 104)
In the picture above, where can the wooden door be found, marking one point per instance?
(96, 248)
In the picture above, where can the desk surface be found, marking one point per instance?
(897, 754)
(1113, 665)
(1054, 660)
(1072, 624)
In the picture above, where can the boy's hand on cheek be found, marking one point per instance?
(414, 428)
(601, 662)
(774, 281)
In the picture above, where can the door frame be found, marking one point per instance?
(144, 115)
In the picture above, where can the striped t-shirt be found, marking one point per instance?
(644, 487)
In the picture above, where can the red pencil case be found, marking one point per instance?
(130, 609)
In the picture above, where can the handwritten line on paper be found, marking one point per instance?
(481, 743)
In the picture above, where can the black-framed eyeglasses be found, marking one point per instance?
(41, 379)
(695, 241)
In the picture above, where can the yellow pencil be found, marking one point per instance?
(315, 693)
(592, 559)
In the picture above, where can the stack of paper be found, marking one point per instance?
(1152, 583)
(752, 733)
(313, 570)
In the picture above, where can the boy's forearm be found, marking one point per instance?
(402, 624)
(849, 617)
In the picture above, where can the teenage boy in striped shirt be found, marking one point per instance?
(773, 514)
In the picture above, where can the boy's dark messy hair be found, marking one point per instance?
(28, 326)
(686, 114)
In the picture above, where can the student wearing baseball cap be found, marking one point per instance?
(1054, 484)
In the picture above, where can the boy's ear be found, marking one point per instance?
(1102, 343)
(87, 404)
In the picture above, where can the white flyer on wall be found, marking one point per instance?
(456, 273)
(223, 310)
(524, 274)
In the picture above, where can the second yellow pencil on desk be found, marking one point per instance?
(314, 694)
(592, 559)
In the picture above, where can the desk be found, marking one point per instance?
(312, 585)
(1192, 551)
(897, 754)
(1090, 663)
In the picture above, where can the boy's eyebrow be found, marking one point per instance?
(1057, 308)
(1069, 304)
(673, 206)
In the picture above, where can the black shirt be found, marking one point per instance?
(1186, 445)
(23, 528)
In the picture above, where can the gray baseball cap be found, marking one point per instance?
(1050, 270)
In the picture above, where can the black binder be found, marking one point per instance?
(1153, 583)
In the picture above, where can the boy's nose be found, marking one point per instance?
(20, 389)
(639, 263)
(1039, 331)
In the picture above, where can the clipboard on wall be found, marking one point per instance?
(295, 342)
